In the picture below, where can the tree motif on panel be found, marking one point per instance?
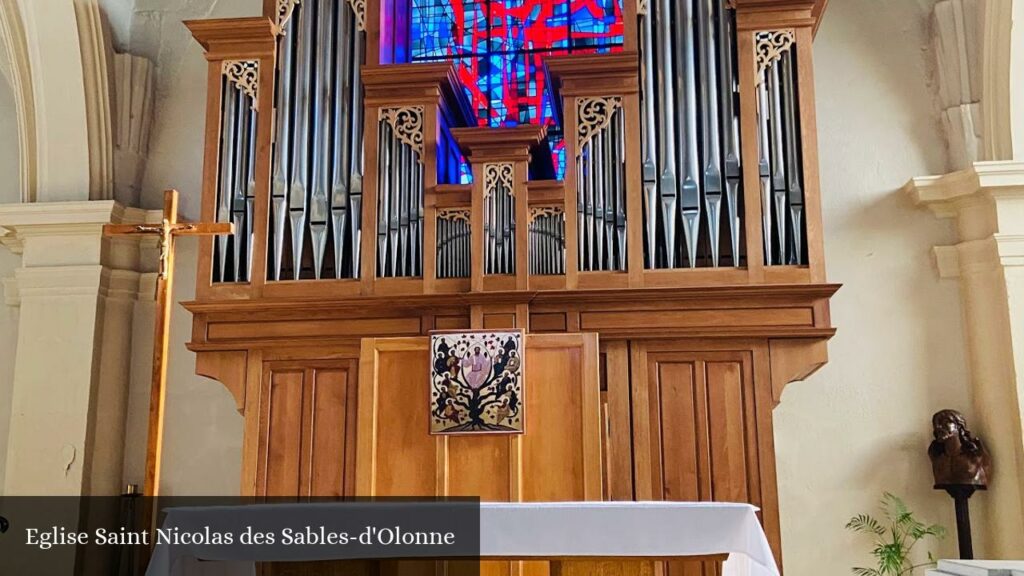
(476, 382)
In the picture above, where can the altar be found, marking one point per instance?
(577, 538)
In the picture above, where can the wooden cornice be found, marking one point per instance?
(546, 192)
(819, 13)
(595, 74)
(413, 82)
(235, 38)
(737, 295)
(506, 143)
(787, 312)
(407, 75)
(618, 64)
(774, 14)
(450, 196)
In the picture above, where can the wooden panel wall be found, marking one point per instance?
(702, 427)
(307, 429)
(557, 459)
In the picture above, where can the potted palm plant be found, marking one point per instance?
(894, 540)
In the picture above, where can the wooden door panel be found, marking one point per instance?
(727, 430)
(683, 444)
(282, 433)
(695, 429)
(551, 453)
(405, 462)
(332, 396)
(618, 428)
(481, 466)
(306, 428)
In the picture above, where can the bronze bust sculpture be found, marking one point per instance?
(958, 457)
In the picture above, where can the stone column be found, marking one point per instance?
(986, 202)
(76, 292)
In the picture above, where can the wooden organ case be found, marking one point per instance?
(671, 283)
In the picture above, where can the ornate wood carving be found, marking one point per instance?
(769, 46)
(359, 8)
(539, 211)
(407, 122)
(244, 75)
(454, 214)
(285, 9)
(641, 7)
(499, 173)
(594, 114)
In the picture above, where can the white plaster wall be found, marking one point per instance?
(9, 155)
(202, 445)
(8, 348)
(203, 433)
(861, 426)
(9, 192)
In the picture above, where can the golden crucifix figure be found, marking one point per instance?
(166, 232)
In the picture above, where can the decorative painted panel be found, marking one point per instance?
(476, 382)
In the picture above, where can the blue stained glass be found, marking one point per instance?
(499, 47)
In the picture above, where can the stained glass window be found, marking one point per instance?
(499, 47)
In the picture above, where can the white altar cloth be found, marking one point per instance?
(547, 530)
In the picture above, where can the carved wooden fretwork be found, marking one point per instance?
(499, 173)
(641, 7)
(769, 46)
(285, 9)
(244, 75)
(454, 214)
(359, 9)
(545, 211)
(407, 122)
(594, 114)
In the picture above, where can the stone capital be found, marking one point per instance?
(64, 252)
(986, 203)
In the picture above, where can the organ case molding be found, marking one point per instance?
(407, 122)
(245, 76)
(769, 46)
(594, 114)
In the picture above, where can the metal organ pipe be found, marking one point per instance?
(241, 183)
(453, 249)
(297, 192)
(712, 165)
(600, 169)
(686, 82)
(650, 151)
(281, 176)
(317, 164)
(227, 172)
(547, 241)
(688, 56)
(782, 197)
(319, 208)
(730, 127)
(793, 169)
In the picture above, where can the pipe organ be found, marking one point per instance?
(318, 149)
(674, 261)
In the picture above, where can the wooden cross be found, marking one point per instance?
(165, 232)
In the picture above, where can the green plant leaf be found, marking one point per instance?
(893, 541)
(866, 524)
